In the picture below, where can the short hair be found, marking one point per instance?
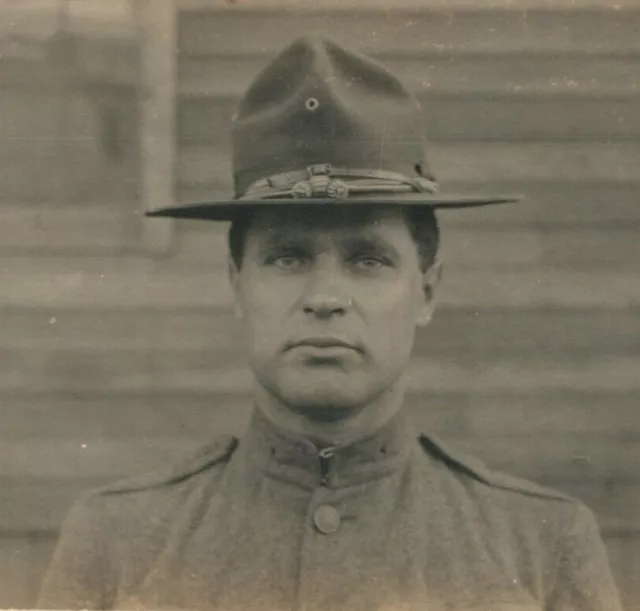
(421, 222)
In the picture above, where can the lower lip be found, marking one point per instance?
(324, 351)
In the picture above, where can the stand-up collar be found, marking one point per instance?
(276, 453)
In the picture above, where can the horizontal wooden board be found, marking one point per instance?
(457, 116)
(445, 72)
(115, 230)
(66, 172)
(559, 247)
(555, 248)
(22, 564)
(34, 504)
(58, 282)
(580, 460)
(614, 505)
(558, 459)
(607, 416)
(98, 416)
(109, 229)
(219, 372)
(57, 460)
(501, 331)
(39, 504)
(468, 161)
(108, 61)
(588, 202)
(47, 113)
(608, 374)
(367, 5)
(472, 31)
(38, 20)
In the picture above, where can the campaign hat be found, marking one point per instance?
(323, 124)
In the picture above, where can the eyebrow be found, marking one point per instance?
(369, 242)
(282, 240)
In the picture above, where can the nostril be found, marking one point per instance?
(324, 310)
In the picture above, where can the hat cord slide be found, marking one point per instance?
(324, 181)
(334, 127)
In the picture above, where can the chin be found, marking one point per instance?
(326, 395)
(324, 413)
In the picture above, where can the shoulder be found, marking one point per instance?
(528, 525)
(206, 457)
(514, 512)
(475, 472)
(148, 500)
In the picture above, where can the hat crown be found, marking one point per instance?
(320, 103)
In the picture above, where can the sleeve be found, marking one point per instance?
(584, 581)
(79, 574)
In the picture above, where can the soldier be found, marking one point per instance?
(331, 500)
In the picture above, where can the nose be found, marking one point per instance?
(324, 296)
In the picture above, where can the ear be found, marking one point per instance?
(430, 280)
(234, 280)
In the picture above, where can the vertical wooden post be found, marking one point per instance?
(157, 29)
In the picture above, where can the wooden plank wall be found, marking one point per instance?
(113, 360)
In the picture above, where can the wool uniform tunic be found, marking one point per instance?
(396, 521)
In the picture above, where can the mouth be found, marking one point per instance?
(320, 343)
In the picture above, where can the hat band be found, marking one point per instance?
(324, 181)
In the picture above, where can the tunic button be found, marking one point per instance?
(327, 519)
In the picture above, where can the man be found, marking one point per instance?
(331, 500)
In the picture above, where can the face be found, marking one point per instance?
(330, 301)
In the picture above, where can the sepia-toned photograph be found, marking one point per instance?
(323, 305)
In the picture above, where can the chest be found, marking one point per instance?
(384, 544)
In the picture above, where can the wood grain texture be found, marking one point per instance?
(598, 473)
(130, 281)
(110, 229)
(504, 112)
(419, 30)
(94, 415)
(113, 361)
(369, 5)
(468, 161)
(546, 204)
(587, 246)
(45, 159)
(497, 331)
(47, 502)
(377, 5)
(554, 77)
(207, 371)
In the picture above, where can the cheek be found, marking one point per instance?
(266, 307)
(392, 322)
(399, 301)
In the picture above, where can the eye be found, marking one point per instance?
(370, 263)
(287, 262)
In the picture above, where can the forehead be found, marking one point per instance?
(312, 222)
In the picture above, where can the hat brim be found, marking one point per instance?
(227, 209)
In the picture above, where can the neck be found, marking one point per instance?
(352, 425)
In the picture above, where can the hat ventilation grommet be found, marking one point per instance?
(312, 104)
(292, 164)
